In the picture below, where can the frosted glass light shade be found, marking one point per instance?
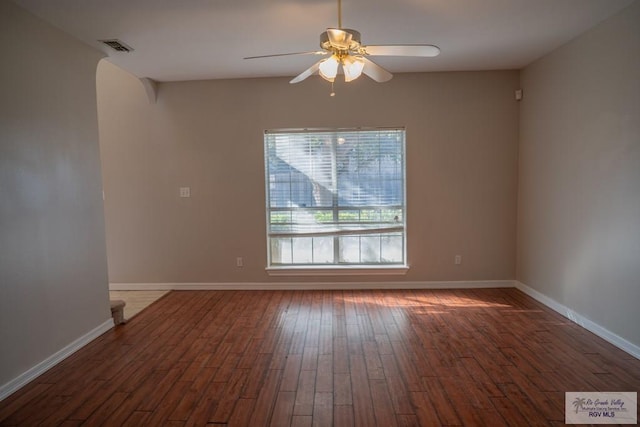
(352, 66)
(329, 68)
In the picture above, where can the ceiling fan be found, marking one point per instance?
(347, 51)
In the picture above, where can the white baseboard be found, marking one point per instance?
(476, 284)
(18, 382)
(589, 325)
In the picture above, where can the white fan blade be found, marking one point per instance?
(403, 50)
(339, 38)
(306, 73)
(314, 52)
(375, 71)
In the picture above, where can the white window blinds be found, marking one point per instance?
(335, 197)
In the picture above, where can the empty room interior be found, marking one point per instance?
(428, 215)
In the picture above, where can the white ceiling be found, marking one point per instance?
(207, 39)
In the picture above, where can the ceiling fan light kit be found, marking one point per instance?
(346, 51)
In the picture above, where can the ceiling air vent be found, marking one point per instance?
(116, 44)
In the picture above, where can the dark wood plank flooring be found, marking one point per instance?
(484, 357)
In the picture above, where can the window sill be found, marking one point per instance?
(396, 270)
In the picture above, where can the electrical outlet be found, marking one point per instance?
(239, 262)
(457, 260)
(185, 192)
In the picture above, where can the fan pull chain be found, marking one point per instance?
(333, 93)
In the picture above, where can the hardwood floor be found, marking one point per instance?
(320, 358)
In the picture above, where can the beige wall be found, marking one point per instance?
(462, 131)
(53, 271)
(579, 175)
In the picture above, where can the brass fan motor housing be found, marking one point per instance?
(354, 45)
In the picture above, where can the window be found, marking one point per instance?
(335, 198)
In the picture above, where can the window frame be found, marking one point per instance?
(371, 268)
